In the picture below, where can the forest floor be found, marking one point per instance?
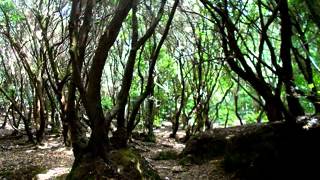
(52, 160)
(22, 160)
(171, 169)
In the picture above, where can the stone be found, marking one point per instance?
(177, 169)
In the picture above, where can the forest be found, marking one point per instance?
(159, 89)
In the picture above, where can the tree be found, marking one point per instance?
(243, 68)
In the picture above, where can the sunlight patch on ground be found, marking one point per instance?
(67, 151)
(230, 136)
(51, 143)
(29, 151)
(52, 173)
(313, 122)
(164, 133)
(48, 145)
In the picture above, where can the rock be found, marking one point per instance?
(166, 155)
(274, 151)
(177, 169)
(267, 151)
(205, 146)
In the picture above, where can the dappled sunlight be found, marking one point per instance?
(164, 157)
(67, 151)
(29, 151)
(168, 142)
(49, 145)
(230, 136)
(53, 173)
(163, 136)
(313, 122)
(20, 160)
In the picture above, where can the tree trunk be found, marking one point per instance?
(273, 110)
(40, 111)
(175, 125)
(287, 74)
(150, 118)
(72, 123)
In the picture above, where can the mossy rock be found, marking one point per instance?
(166, 155)
(138, 135)
(150, 138)
(130, 165)
(121, 164)
(204, 147)
(275, 151)
(189, 159)
(91, 168)
(126, 163)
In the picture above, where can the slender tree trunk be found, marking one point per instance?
(287, 73)
(305, 67)
(153, 60)
(150, 118)
(236, 102)
(175, 126)
(39, 96)
(78, 137)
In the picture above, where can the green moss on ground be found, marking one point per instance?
(121, 164)
(22, 173)
(166, 155)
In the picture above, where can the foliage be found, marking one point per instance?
(13, 13)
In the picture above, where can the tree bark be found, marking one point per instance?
(287, 73)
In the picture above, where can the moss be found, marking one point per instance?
(121, 164)
(129, 163)
(89, 168)
(186, 160)
(191, 159)
(166, 155)
(23, 173)
(150, 138)
(125, 160)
